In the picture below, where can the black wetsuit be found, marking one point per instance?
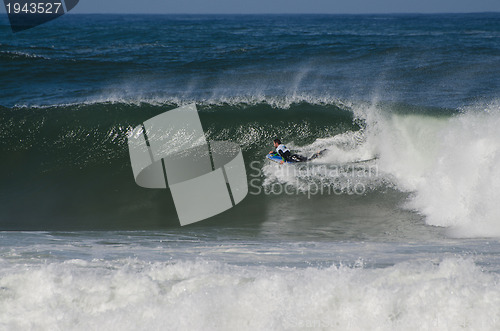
(287, 156)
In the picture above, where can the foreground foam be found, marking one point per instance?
(203, 295)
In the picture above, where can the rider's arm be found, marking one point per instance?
(282, 154)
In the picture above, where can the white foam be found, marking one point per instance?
(337, 171)
(201, 295)
(25, 55)
(450, 163)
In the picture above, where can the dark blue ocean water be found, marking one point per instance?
(395, 227)
(433, 60)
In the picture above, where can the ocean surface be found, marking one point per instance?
(395, 227)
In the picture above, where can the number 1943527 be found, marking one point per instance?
(35, 8)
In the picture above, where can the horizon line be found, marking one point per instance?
(324, 14)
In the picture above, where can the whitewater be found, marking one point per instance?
(151, 282)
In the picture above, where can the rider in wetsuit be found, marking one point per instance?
(285, 153)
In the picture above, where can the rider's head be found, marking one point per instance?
(276, 142)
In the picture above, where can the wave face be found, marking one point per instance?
(70, 163)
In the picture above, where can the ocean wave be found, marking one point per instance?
(14, 55)
(444, 160)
